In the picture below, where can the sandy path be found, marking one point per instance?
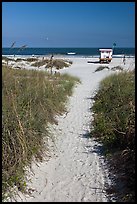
(76, 171)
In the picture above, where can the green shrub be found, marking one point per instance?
(30, 100)
(40, 63)
(58, 64)
(115, 109)
(100, 68)
(114, 125)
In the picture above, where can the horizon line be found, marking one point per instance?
(68, 47)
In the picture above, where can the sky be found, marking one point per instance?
(68, 24)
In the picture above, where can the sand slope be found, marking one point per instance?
(76, 171)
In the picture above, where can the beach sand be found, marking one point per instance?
(76, 170)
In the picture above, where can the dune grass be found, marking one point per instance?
(100, 68)
(114, 126)
(30, 100)
(57, 63)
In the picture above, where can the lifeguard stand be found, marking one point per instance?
(105, 55)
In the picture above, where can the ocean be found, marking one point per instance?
(85, 52)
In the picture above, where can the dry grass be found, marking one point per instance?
(30, 101)
(57, 63)
(100, 68)
(114, 125)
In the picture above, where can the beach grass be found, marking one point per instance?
(100, 68)
(30, 101)
(114, 126)
(57, 63)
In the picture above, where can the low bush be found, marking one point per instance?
(40, 63)
(30, 100)
(58, 64)
(100, 68)
(114, 123)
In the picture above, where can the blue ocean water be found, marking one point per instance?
(64, 51)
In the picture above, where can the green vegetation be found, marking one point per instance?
(31, 59)
(57, 63)
(117, 68)
(30, 100)
(4, 58)
(40, 63)
(114, 126)
(100, 68)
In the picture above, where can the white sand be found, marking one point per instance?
(76, 172)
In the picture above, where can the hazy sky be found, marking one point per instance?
(68, 24)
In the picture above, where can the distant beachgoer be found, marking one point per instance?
(124, 59)
(51, 57)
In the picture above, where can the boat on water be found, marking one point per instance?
(71, 53)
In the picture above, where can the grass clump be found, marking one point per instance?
(100, 68)
(40, 63)
(114, 125)
(4, 58)
(117, 68)
(30, 101)
(57, 63)
(31, 59)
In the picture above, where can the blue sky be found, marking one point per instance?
(68, 24)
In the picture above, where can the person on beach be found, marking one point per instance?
(51, 57)
(51, 63)
(124, 59)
